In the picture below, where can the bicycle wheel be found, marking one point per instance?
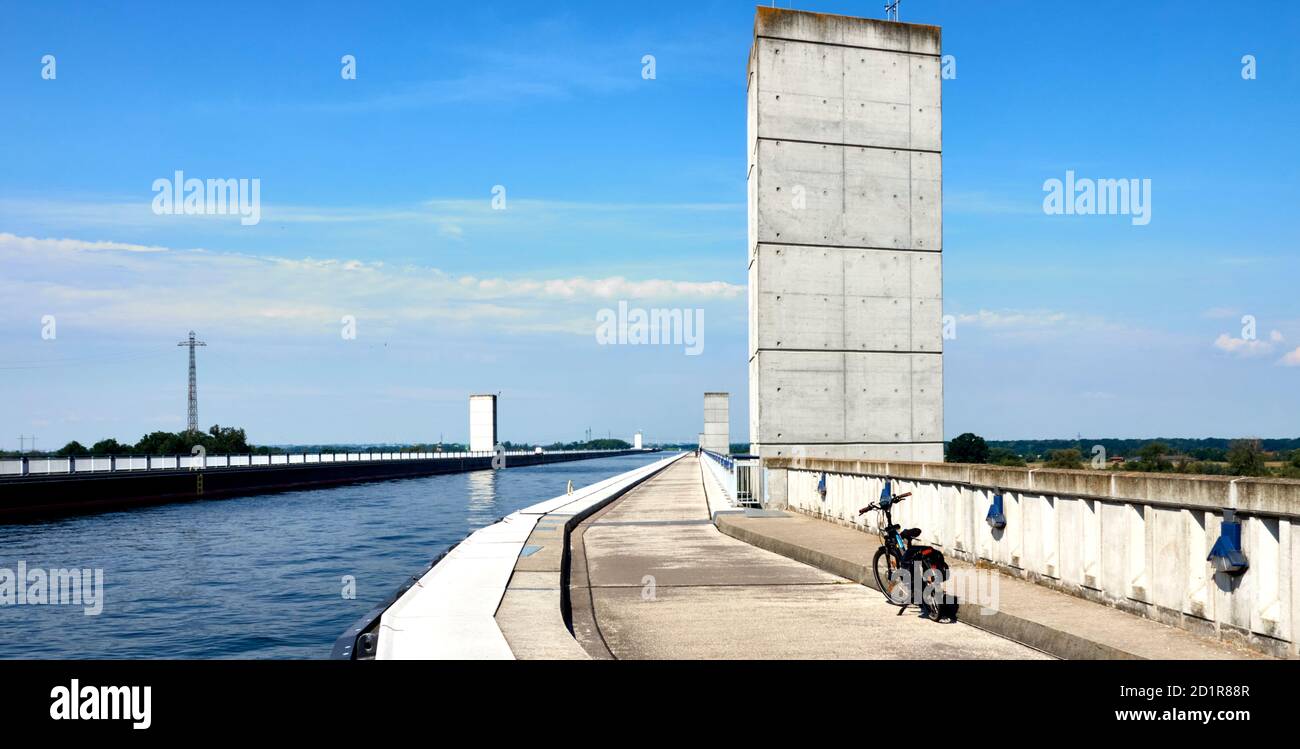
(884, 565)
(932, 579)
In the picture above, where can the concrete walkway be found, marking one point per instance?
(1054, 622)
(653, 578)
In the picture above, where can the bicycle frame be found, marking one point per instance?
(896, 540)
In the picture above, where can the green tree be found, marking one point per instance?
(161, 443)
(968, 448)
(1069, 458)
(1151, 457)
(109, 446)
(1001, 456)
(1246, 458)
(225, 441)
(72, 449)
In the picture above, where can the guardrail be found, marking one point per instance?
(1142, 542)
(741, 477)
(42, 466)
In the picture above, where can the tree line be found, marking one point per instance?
(219, 440)
(1236, 457)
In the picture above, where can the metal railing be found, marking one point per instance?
(741, 477)
(40, 466)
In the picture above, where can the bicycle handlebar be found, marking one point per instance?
(874, 506)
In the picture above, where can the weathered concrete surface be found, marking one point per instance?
(531, 612)
(662, 582)
(845, 237)
(717, 423)
(497, 594)
(1056, 623)
(1136, 542)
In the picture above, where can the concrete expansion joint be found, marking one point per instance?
(935, 55)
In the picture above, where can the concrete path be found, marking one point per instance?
(653, 578)
(1056, 623)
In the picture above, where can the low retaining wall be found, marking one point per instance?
(53, 494)
(1136, 541)
(448, 612)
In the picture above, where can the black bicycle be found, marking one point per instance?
(903, 570)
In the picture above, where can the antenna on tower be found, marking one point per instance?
(194, 391)
(891, 11)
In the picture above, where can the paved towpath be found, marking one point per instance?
(653, 578)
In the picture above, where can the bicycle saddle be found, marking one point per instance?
(911, 533)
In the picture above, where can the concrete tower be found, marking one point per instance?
(717, 423)
(845, 238)
(482, 423)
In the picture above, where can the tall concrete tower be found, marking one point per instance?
(717, 423)
(482, 423)
(845, 238)
(193, 415)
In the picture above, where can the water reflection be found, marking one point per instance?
(482, 508)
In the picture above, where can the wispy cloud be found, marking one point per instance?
(1014, 318)
(112, 285)
(441, 212)
(1247, 347)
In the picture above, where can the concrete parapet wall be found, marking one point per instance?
(1135, 541)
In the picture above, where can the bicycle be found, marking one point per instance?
(898, 553)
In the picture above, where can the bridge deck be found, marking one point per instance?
(656, 579)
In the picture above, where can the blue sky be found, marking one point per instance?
(375, 203)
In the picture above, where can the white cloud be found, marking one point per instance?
(1249, 347)
(1292, 359)
(1013, 318)
(120, 286)
(1246, 347)
(32, 245)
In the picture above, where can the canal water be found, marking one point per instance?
(260, 576)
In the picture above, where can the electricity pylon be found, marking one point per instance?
(194, 391)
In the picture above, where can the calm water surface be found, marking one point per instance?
(259, 576)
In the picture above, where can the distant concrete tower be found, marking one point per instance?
(482, 423)
(845, 238)
(193, 416)
(717, 423)
(636, 441)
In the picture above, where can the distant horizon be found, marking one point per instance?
(654, 443)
